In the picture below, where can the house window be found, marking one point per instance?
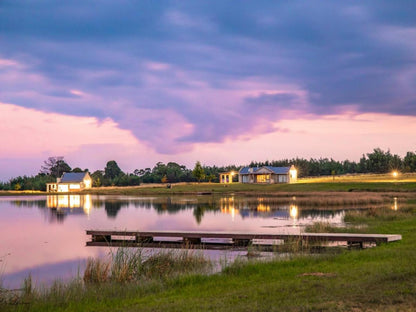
(74, 186)
(63, 188)
(263, 178)
(282, 179)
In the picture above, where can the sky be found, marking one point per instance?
(222, 82)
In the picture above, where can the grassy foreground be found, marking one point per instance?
(376, 279)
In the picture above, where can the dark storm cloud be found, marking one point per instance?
(222, 67)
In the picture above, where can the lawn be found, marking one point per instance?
(346, 183)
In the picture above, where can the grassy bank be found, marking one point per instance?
(376, 279)
(215, 188)
(346, 183)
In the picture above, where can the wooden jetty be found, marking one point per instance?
(221, 240)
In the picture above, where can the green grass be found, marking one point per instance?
(299, 187)
(375, 279)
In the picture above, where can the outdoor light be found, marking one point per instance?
(395, 174)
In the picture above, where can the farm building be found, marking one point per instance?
(70, 182)
(267, 175)
(227, 177)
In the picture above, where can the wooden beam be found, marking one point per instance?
(242, 239)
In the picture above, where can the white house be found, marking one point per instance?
(267, 175)
(70, 182)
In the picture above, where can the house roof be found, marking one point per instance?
(275, 170)
(70, 177)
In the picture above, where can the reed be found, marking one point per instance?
(165, 264)
(132, 265)
(126, 270)
(126, 264)
(97, 271)
(378, 214)
(320, 227)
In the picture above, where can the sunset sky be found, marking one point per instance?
(223, 82)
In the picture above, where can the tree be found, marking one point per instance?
(409, 162)
(381, 162)
(55, 166)
(164, 179)
(211, 177)
(112, 170)
(198, 172)
(97, 178)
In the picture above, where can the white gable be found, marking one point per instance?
(264, 170)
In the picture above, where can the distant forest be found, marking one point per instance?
(378, 161)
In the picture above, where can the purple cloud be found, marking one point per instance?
(177, 73)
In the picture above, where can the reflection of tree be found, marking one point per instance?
(58, 215)
(112, 208)
(317, 213)
(171, 207)
(29, 204)
(199, 213)
(98, 203)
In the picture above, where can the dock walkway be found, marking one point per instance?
(218, 240)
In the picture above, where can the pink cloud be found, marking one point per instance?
(30, 136)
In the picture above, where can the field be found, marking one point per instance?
(347, 183)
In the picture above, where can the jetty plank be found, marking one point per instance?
(147, 238)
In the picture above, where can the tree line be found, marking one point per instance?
(378, 161)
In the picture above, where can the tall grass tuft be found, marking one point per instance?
(96, 271)
(126, 265)
(27, 286)
(166, 264)
(320, 227)
(132, 265)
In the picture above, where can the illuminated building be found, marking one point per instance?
(267, 175)
(227, 177)
(70, 182)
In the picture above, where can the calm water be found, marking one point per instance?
(45, 235)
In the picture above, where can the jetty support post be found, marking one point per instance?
(192, 240)
(241, 242)
(352, 244)
(143, 239)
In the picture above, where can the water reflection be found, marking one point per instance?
(70, 201)
(395, 205)
(62, 206)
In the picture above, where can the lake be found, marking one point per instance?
(45, 235)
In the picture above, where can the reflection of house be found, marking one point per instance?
(69, 201)
(70, 182)
(62, 205)
(267, 174)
